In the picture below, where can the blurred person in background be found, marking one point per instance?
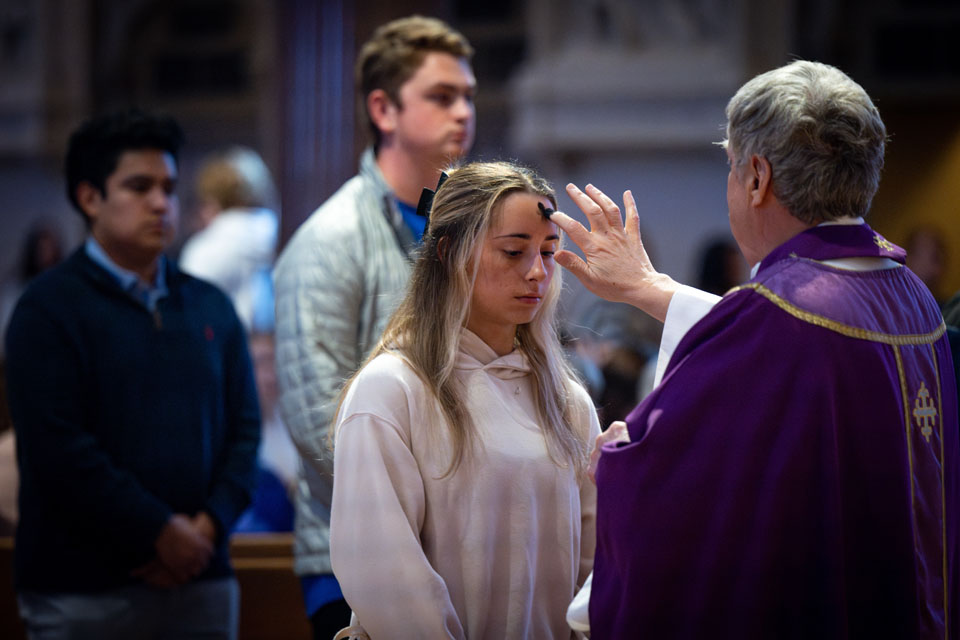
(621, 342)
(721, 267)
(951, 311)
(235, 249)
(237, 242)
(344, 270)
(42, 249)
(927, 257)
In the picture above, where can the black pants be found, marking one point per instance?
(329, 619)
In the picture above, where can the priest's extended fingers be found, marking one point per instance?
(632, 229)
(632, 224)
(608, 206)
(596, 216)
(574, 230)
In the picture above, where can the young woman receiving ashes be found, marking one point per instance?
(461, 505)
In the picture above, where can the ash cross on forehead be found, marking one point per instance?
(546, 212)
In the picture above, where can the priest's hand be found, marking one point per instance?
(616, 432)
(616, 267)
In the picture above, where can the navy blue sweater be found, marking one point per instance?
(124, 417)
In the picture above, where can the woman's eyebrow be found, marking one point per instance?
(526, 236)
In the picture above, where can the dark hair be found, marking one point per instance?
(96, 146)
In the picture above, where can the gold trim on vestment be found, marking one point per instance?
(883, 243)
(843, 329)
(908, 425)
(943, 498)
(922, 405)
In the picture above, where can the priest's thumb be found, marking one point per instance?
(572, 263)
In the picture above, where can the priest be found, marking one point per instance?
(795, 473)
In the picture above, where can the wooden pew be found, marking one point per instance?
(271, 602)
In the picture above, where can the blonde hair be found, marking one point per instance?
(236, 178)
(425, 330)
(394, 53)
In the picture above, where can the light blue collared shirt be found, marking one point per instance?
(146, 294)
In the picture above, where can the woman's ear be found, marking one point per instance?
(442, 245)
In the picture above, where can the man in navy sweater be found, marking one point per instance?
(135, 410)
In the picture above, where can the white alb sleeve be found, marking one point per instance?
(687, 307)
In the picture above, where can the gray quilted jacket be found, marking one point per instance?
(337, 282)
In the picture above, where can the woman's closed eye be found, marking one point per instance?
(516, 253)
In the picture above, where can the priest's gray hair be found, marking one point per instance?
(820, 132)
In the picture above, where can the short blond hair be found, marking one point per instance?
(236, 178)
(395, 52)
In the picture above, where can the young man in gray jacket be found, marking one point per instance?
(343, 270)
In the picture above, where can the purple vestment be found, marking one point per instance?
(795, 475)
